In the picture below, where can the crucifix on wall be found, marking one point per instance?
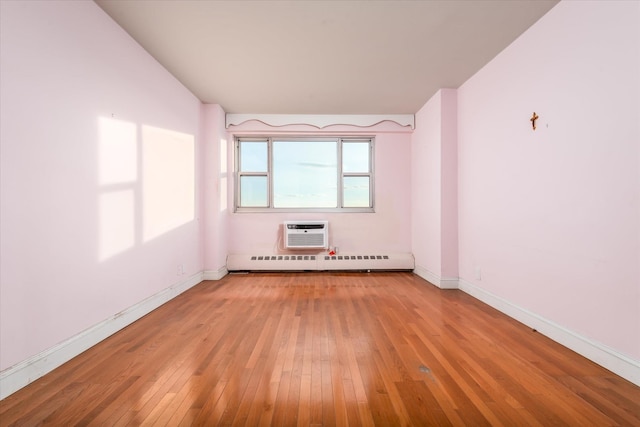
(533, 120)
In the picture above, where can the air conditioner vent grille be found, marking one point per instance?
(305, 240)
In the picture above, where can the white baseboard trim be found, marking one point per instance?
(21, 374)
(604, 356)
(434, 279)
(215, 274)
(449, 283)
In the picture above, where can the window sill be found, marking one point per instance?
(304, 210)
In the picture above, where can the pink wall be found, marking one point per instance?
(426, 187)
(552, 217)
(92, 131)
(217, 176)
(434, 195)
(449, 184)
(388, 229)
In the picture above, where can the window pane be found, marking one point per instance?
(355, 157)
(253, 191)
(356, 192)
(305, 174)
(253, 156)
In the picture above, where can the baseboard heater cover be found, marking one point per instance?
(320, 262)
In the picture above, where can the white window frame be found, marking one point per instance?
(269, 174)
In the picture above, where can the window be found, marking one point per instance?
(304, 174)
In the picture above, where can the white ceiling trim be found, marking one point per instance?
(321, 121)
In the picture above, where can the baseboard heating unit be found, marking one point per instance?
(321, 262)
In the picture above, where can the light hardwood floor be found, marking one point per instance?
(326, 349)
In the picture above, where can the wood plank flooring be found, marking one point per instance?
(330, 349)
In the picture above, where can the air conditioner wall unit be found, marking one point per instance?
(306, 234)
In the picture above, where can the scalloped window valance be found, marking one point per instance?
(320, 120)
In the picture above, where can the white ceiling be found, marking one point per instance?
(323, 57)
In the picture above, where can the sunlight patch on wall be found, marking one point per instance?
(117, 180)
(168, 180)
(117, 152)
(116, 221)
